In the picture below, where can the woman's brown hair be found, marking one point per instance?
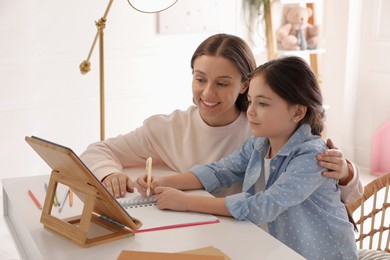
(234, 49)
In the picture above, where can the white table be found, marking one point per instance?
(238, 239)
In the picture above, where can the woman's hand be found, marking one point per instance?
(338, 167)
(173, 199)
(118, 183)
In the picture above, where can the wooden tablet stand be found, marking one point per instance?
(76, 228)
(99, 208)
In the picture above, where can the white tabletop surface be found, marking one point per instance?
(237, 239)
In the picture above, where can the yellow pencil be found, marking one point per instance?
(56, 202)
(70, 197)
(149, 174)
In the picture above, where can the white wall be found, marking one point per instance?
(356, 75)
(338, 90)
(44, 94)
(373, 84)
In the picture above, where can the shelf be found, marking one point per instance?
(271, 43)
(285, 2)
(298, 53)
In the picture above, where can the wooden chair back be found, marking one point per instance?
(369, 213)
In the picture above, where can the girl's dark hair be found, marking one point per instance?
(234, 49)
(294, 81)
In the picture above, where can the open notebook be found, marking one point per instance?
(154, 219)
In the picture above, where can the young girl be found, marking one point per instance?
(283, 186)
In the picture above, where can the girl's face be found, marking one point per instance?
(268, 114)
(216, 84)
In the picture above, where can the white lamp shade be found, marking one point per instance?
(151, 6)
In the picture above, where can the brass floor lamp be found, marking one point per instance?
(144, 6)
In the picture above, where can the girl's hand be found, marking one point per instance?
(141, 184)
(173, 199)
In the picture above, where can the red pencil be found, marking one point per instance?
(34, 199)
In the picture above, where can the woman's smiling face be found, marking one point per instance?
(216, 84)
